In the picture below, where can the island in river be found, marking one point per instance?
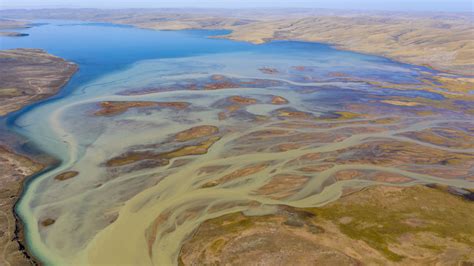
(349, 158)
(10, 25)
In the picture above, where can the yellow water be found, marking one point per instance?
(142, 217)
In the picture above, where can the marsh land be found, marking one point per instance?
(237, 137)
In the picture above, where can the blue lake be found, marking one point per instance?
(100, 48)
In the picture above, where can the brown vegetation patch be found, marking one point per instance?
(66, 175)
(269, 70)
(218, 77)
(173, 105)
(401, 103)
(243, 172)
(279, 100)
(406, 155)
(196, 132)
(446, 137)
(221, 85)
(316, 168)
(212, 169)
(338, 75)
(300, 68)
(286, 147)
(282, 185)
(47, 222)
(161, 159)
(376, 176)
(464, 85)
(293, 114)
(242, 100)
(111, 108)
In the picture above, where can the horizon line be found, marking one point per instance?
(233, 8)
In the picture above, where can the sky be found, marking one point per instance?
(393, 5)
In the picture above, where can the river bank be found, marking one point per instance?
(27, 76)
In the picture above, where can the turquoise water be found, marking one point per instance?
(116, 58)
(101, 48)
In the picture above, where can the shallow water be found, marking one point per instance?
(145, 214)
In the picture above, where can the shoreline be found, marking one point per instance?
(249, 33)
(410, 39)
(59, 70)
(339, 47)
(19, 233)
(335, 45)
(21, 166)
(25, 168)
